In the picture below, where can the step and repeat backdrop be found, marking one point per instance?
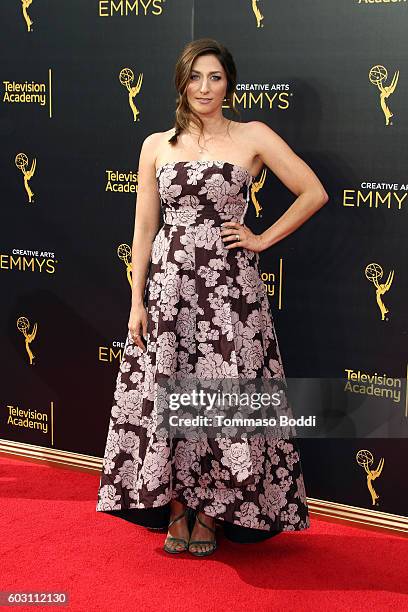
(83, 82)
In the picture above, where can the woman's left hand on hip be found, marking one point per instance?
(247, 239)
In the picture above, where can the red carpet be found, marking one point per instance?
(54, 540)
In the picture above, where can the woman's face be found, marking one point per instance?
(207, 85)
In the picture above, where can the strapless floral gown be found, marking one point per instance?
(208, 317)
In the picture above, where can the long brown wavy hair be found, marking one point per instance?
(184, 113)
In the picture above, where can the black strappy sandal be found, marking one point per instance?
(203, 553)
(171, 538)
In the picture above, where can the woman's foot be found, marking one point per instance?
(202, 539)
(178, 534)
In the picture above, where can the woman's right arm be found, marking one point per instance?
(147, 219)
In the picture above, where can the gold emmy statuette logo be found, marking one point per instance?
(125, 254)
(373, 273)
(22, 164)
(255, 187)
(365, 459)
(377, 75)
(23, 326)
(126, 77)
(24, 6)
(257, 13)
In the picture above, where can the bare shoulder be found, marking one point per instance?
(256, 131)
(154, 144)
(150, 149)
(152, 141)
(265, 142)
(282, 160)
(252, 137)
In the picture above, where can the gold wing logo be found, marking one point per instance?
(21, 162)
(365, 459)
(125, 254)
(258, 15)
(23, 325)
(377, 75)
(126, 78)
(24, 6)
(374, 273)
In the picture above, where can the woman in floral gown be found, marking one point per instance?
(199, 309)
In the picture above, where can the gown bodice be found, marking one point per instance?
(192, 191)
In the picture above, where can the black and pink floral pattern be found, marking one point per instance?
(208, 317)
